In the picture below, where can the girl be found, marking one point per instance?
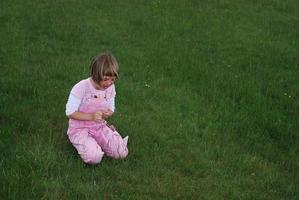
(90, 102)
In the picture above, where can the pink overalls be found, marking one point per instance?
(91, 139)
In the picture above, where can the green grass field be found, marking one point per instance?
(208, 94)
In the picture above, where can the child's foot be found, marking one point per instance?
(126, 140)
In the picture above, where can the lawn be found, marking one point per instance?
(208, 94)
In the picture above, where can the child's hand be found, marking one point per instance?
(107, 113)
(97, 116)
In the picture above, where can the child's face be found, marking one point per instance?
(107, 81)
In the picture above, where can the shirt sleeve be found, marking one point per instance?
(79, 89)
(111, 100)
(72, 104)
(75, 98)
(111, 103)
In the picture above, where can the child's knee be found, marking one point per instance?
(117, 147)
(93, 156)
(121, 154)
(124, 150)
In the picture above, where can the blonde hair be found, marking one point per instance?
(103, 64)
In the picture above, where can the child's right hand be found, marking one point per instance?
(97, 116)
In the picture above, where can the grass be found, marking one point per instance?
(208, 95)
